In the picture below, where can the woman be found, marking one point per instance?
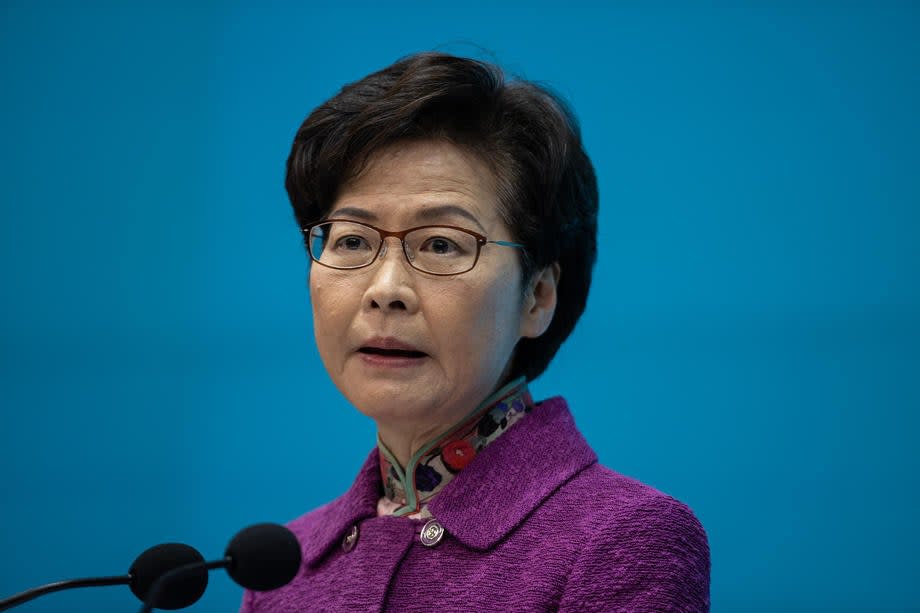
(451, 221)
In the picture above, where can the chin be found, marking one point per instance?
(390, 401)
(385, 411)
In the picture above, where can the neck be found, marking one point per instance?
(403, 443)
(404, 440)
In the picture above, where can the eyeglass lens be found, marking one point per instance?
(438, 250)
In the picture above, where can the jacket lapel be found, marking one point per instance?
(328, 524)
(513, 476)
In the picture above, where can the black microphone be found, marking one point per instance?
(144, 572)
(150, 569)
(261, 557)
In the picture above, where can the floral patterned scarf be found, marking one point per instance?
(408, 491)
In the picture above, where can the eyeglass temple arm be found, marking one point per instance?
(506, 243)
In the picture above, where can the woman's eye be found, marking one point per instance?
(440, 245)
(351, 243)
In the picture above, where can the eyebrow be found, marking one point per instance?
(426, 214)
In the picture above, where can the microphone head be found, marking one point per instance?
(159, 560)
(263, 557)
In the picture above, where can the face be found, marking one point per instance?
(403, 346)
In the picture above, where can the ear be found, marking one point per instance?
(539, 303)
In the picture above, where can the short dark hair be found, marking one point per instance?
(524, 133)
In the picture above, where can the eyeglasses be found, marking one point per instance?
(436, 250)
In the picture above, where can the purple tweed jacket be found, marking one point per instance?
(533, 523)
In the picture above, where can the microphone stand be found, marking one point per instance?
(57, 586)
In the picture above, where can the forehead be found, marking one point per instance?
(424, 179)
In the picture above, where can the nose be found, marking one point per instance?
(392, 285)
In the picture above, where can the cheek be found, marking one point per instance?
(330, 299)
(485, 318)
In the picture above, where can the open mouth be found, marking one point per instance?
(392, 353)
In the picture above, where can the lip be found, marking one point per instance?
(389, 361)
(388, 342)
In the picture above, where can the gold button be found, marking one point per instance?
(348, 543)
(432, 533)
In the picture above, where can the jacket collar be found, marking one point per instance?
(506, 482)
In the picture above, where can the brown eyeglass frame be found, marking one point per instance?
(401, 235)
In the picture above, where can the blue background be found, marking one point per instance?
(750, 344)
